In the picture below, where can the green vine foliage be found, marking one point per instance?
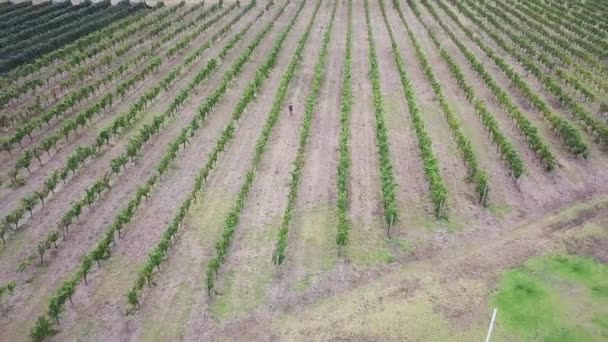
(439, 193)
(309, 107)
(344, 161)
(475, 174)
(529, 131)
(505, 146)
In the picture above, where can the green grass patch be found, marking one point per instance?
(368, 245)
(555, 298)
(500, 210)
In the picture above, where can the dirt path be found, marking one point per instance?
(82, 240)
(453, 283)
(312, 248)
(245, 278)
(179, 300)
(503, 188)
(53, 211)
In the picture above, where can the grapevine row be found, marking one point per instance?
(158, 254)
(15, 88)
(526, 45)
(530, 132)
(388, 184)
(547, 21)
(588, 16)
(474, 172)
(89, 90)
(343, 144)
(33, 18)
(506, 148)
(437, 187)
(233, 217)
(64, 293)
(86, 115)
(120, 124)
(564, 129)
(309, 107)
(13, 7)
(77, 48)
(145, 134)
(150, 26)
(17, 10)
(72, 31)
(32, 34)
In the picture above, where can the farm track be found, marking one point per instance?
(113, 201)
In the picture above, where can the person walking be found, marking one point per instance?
(290, 109)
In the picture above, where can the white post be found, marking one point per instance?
(491, 326)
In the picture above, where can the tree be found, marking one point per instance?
(86, 267)
(53, 237)
(29, 203)
(3, 230)
(41, 250)
(132, 298)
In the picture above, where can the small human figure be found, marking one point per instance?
(290, 109)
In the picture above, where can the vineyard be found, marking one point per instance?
(156, 185)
